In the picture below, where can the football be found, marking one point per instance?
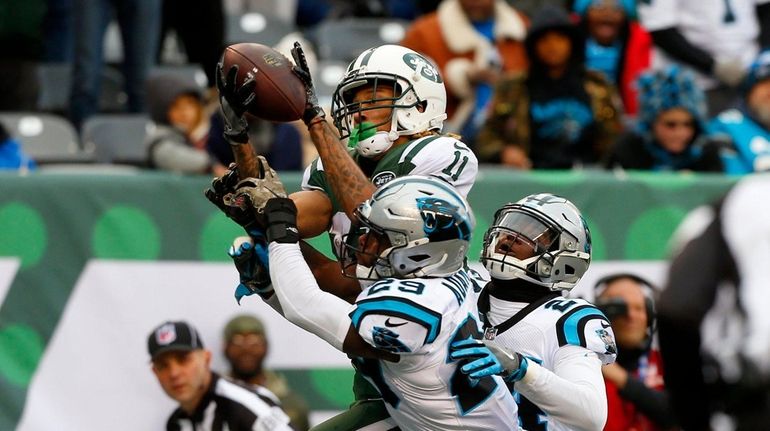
(280, 94)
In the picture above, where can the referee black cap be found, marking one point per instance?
(173, 336)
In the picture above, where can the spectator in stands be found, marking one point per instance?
(200, 26)
(11, 154)
(636, 398)
(670, 131)
(558, 116)
(139, 22)
(719, 39)
(21, 39)
(246, 347)
(180, 140)
(616, 44)
(746, 130)
(206, 400)
(472, 42)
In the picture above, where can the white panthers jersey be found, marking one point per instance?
(726, 29)
(538, 331)
(437, 156)
(418, 319)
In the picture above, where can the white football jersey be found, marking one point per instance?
(418, 319)
(727, 29)
(539, 331)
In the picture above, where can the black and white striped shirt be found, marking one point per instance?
(230, 406)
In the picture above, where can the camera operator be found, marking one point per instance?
(635, 395)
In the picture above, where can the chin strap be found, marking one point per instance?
(376, 145)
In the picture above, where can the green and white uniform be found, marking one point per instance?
(437, 155)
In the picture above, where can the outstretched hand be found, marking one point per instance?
(235, 101)
(312, 108)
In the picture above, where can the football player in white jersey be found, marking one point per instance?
(409, 240)
(389, 110)
(548, 347)
(717, 38)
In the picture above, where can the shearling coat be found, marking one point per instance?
(448, 37)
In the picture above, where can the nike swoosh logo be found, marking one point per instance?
(460, 147)
(394, 325)
(604, 325)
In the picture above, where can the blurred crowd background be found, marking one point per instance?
(128, 86)
(582, 84)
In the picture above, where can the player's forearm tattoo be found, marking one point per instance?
(350, 185)
(246, 160)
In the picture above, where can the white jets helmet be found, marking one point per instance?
(419, 101)
(427, 222)
(542, 238)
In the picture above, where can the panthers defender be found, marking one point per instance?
(389, 110)
(550, 349)
(410, 241)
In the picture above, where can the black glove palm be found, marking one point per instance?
(312, 108)
(235, 101)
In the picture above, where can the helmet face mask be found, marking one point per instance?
(418, 98)
(542, 239)
(422, 227)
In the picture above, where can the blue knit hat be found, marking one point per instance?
(580, 7)
(758, 71)
(669, 88)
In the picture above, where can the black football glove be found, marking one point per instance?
(221, 186)
(244, 201)
(312, 108)
(235, 101)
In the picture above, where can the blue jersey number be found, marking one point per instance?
(560, 304)
(408, 286)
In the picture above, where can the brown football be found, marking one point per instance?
(280, 94)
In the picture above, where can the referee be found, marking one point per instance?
(206, 400)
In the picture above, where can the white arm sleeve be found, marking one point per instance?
(573, 393)
(302, 300)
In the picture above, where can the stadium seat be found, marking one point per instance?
(189, 72)
(117, 138)
(256, 28)
(55, 82)
(344, 39)
(46, 138)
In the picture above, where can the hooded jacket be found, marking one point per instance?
(168, 148)
(511, 120)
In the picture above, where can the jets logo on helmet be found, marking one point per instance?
(418, 103)
(421, 65)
